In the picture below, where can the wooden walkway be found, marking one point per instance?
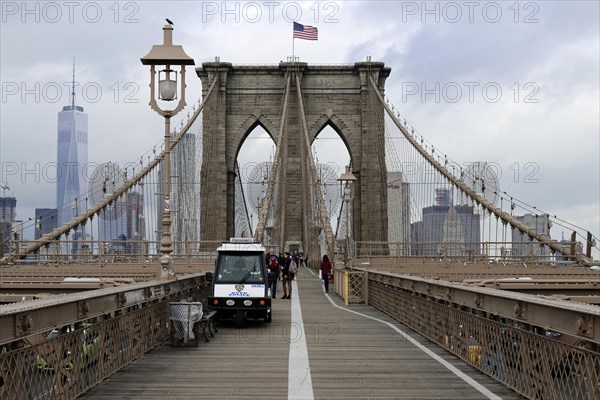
(349, 356)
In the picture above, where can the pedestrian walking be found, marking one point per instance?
(286, 276)
(273, 271)
(326, 272)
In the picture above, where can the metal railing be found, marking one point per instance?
(539, 347)
(117, 251)
(502, 252)
(60, 347)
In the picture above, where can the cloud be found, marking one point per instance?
(554, 61)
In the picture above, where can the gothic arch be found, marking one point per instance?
(338, 125)
(337, 96)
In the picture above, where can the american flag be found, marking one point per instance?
(305, 32)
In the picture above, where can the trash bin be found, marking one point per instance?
(185, 323)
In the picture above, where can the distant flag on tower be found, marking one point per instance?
(305, 32)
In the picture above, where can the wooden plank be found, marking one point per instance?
(350, 357)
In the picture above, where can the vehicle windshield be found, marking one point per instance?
(236, 267)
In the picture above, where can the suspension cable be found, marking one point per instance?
(264, 212)
(97, 208)
(504, 216)
(316, 189)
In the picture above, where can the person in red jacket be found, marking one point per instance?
(325, 272)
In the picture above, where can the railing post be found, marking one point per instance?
(346, 286)
(366, 287)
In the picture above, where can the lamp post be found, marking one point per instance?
(167, 55)
(347, 194)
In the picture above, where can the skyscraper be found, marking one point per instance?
(136, 224)
(71, 157)
(446, 229)
(8, 206)
(136, 229)
(5, 236)
(8, 215)
(45, 221)
(113, 221)
(450, 226)
(522, 246)
(398, 212)
(184, 193)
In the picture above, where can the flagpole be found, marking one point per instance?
(293, 42)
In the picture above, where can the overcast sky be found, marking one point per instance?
(513, 83)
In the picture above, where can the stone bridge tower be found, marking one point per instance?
(339, 96)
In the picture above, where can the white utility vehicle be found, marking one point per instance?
(240, 287)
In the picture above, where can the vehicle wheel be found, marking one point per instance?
(268, 316)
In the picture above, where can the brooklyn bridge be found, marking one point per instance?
(444, 285)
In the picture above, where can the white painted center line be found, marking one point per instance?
(299, 379)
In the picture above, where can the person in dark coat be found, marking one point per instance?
(273, 268)
(326, 269)
(286, 276)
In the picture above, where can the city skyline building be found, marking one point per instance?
(136, 223)
(45, 221)
(136, 229)
(398, 212)
(5, 236)
(185, 193)
(443, 197)
(113, 222)
(417, 247)
(72, 158)
(8, 214)
(8, 209)
(446, 229)
(522, 246)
